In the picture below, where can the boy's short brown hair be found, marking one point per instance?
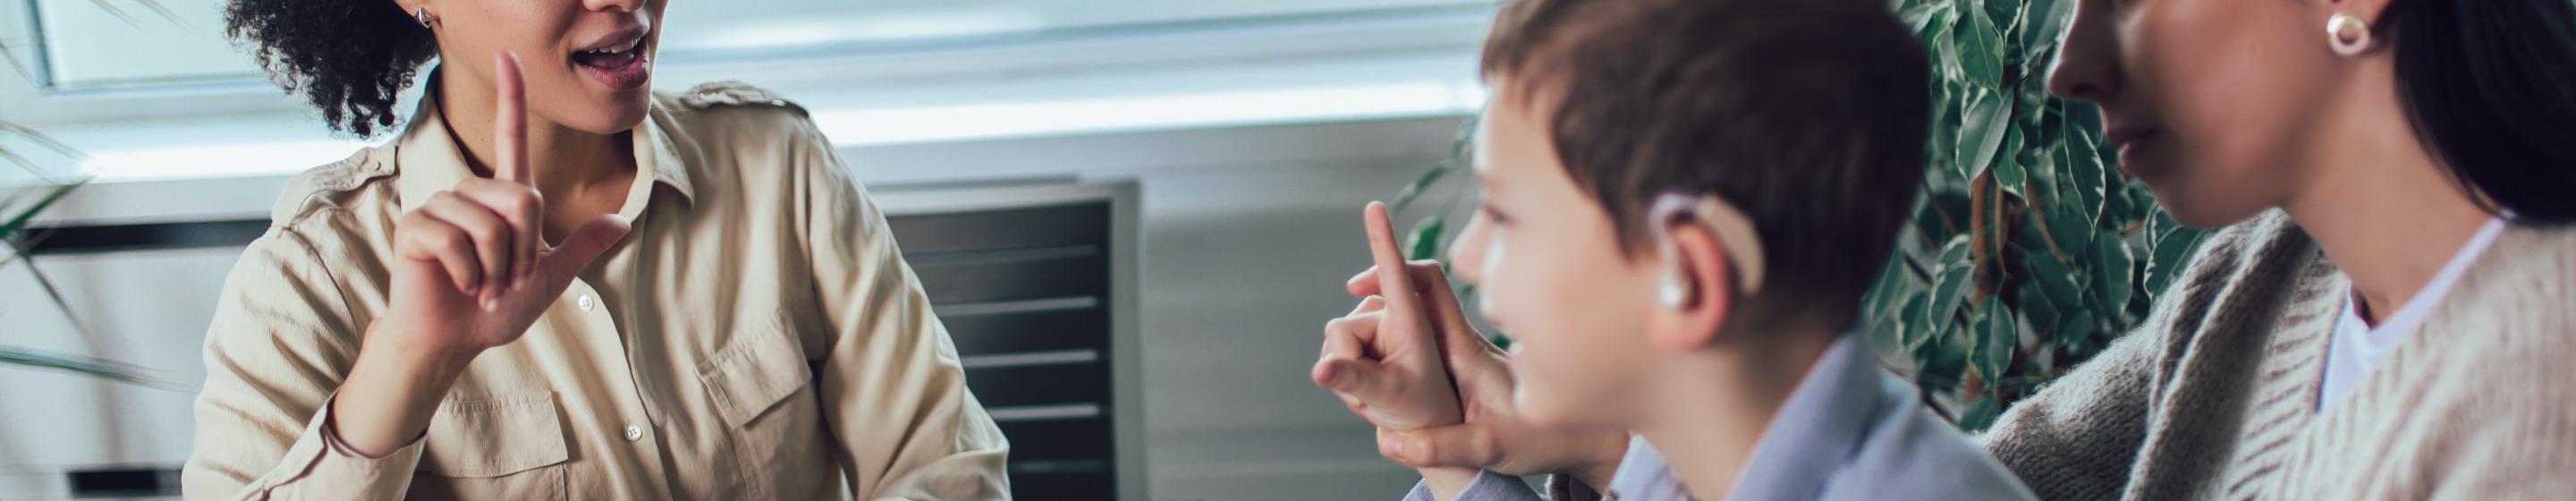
(1807, 115)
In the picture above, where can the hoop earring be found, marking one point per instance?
(2357, 43)
(422, 14)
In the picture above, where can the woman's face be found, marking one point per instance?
(588, 64)
(2210, 102)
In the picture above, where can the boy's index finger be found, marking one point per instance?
(1394, 281)
(510, 120)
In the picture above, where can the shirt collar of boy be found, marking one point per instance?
(1823, 424)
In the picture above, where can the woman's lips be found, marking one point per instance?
(629, 68)
(2131, 142)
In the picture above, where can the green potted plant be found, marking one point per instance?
(22, 199)
(19, 206)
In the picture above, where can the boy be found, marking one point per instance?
(1683, 201)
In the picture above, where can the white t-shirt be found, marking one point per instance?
(2357, 347)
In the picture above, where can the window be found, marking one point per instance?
(107, 44)
(159, 93)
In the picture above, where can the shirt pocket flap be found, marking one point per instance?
(491, 437)
(754, 373)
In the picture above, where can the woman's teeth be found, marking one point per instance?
(630, 45)
(612, 57)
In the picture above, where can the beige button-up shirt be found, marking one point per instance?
(755, 337)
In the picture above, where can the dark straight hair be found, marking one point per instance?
(2490, 86)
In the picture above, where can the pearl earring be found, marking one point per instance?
(2347, 45)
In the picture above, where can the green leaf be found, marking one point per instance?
(1951, 286)
(1920, 17)
(2173, 251)
(1887, 340)
(2111, 268)
(1995, 339)
(92, 367)
(2052, 276)
(1465, 144)
(1980, 49)
(2039, 34)
(1414, 189)
(2005, 15)
(21, 250)
(2035, 305)
(16, 224)
(2083, 157)
(1424, 241)
(1894, 283)
(2070, 228)
(2078, 330)
(1945, 49)
(1944, 360)
(2008, 171)
(1953, 202)
(1916, 322)
(2039, 158)
(1981, 414)
(1988, 118)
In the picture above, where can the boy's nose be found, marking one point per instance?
(1467, 253)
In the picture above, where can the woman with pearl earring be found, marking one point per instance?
(2387, 311)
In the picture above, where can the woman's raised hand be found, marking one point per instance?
(474, 270)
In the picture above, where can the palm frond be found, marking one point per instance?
(52, 187)
(102, 369)
(9, 52)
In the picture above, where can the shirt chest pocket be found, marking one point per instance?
(758, 385)
(508, 447)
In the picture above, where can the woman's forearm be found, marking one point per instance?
(392, 391)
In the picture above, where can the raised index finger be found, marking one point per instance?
(510, 121)
(1394, 283)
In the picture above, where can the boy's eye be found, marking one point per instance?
(1494, 215)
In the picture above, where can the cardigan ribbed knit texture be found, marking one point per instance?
(2214, 395)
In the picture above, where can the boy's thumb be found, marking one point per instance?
(1457, 446)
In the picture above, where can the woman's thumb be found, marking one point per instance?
(585, 244)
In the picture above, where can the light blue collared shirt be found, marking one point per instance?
(1849, 432)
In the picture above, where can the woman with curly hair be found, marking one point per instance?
(552, 282)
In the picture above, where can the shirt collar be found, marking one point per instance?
(1821, 428)
(1823, 424)
(428, 161)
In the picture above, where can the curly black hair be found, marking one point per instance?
(350, 59)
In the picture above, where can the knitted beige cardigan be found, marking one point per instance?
(2214, 396)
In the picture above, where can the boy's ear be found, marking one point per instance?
(1699, 291)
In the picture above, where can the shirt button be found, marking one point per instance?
(634, 433)
(587, 303)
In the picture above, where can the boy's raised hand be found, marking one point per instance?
(1384, 358)
(1493, 436)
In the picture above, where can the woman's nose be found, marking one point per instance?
(2087, 64)
(614, 5)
